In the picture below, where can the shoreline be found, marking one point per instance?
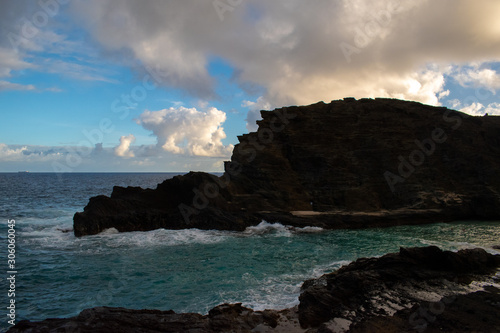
(346, 164)
(390, 291)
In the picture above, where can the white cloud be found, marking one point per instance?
(9, 154)
(475, 109)
(32, 154)
(493, 109)
(454, 103)
(478, 109)
(10, 60)
(43, 47)
(292, 48)
(254, 111)
(123, 149)
(483, 78)
(444, 94)
(5, 85)
(188, 131)
(98, 159)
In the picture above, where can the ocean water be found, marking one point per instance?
(183, 270)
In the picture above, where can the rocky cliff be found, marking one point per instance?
(415, 290)
(346, 164)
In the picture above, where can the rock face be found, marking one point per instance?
(223, 318)
(415, 290)
(359, 163)
(362, 292)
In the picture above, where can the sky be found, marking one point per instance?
(167, 85)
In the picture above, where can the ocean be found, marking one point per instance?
(192, 270)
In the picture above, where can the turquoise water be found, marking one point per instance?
(185, 270)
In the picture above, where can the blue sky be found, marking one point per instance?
(124, 85)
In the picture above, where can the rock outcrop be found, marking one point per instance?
(347, 164)
(415, 285)
(415, 290)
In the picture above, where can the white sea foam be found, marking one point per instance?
(159, 237)
(266, 228)
(279, 229)
(281, 291)
(456, 246)
(56, 233)
(309, 229)
(110, 231)
(333, 266)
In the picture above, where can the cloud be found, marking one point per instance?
(479, 78)
(123, 149)
(9, 154)
(188, 131)
(33, 154)
(5, 85)
(79, 71)
(99, 159)
(43, 46)
(10, 60)
(475, 109)
(254, 111)
(296, 51)
(478, 109)
(493, 109)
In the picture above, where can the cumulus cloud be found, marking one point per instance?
(493, 109)
(188, 131)
(479, 78)
(254, 111)
(478, 109)
(475, 109)
(31, 154)
(10, 154)
(123, 149)
(294, 48)
(98, 159)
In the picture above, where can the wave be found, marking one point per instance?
(166, 237)
(456, 246)
(159, 237)
(279, 229)
(280, 291)
(56, 233)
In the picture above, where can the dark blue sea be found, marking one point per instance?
(59, 275)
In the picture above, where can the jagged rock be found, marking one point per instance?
(223, 318)
(379, 287)
(414, 290)
(361, 163)
(474, 312)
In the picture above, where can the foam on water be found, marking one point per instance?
(278, 292)
(160, 237)
(278, 229)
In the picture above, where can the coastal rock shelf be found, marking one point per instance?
(347, 164)
(415, 290)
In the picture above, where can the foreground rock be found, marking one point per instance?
(415, 290)
(224, 318)
(409, 289)
(361, 163)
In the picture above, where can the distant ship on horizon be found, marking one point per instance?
(23, 171)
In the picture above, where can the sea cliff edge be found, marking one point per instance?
(347, 164)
